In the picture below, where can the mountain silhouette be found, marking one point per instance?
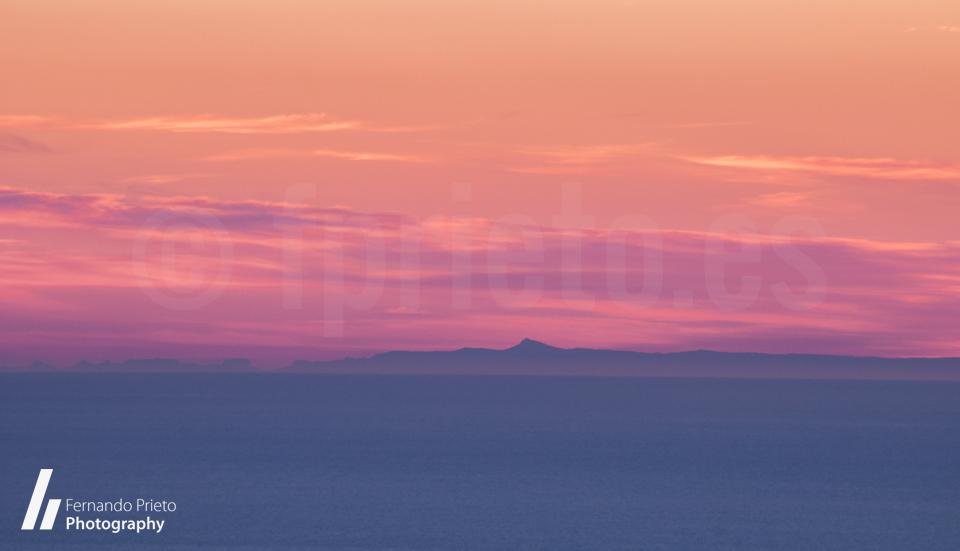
(530, 346)
(531, 357)
(39, 366)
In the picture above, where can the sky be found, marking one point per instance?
(303, 180)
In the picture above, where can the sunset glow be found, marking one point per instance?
(182, 180)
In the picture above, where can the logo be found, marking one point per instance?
(33, 510)
(80, 506)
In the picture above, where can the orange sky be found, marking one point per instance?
(679, 110)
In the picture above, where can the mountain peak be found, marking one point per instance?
(530, 345)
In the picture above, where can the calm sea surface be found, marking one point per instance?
(271, 461)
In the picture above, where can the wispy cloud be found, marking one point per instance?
(949, 29)
(588, 154)
(277, 124)
(887, 169)
(783, 199)
(280, 124)
(573, 159)
(162, 178)
(766, 204)
(253, 154)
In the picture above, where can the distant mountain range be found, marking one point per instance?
(536, 358)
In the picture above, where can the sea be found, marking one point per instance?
(281, 461)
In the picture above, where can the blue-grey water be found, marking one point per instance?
(285, 461)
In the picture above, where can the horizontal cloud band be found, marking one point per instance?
(191, 270)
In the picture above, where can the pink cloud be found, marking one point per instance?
(69, 273)
(163, 178)
(299, 123)
(252, 154)
(783, 199)
(887, 169)
(579, 159)
(280, 124)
